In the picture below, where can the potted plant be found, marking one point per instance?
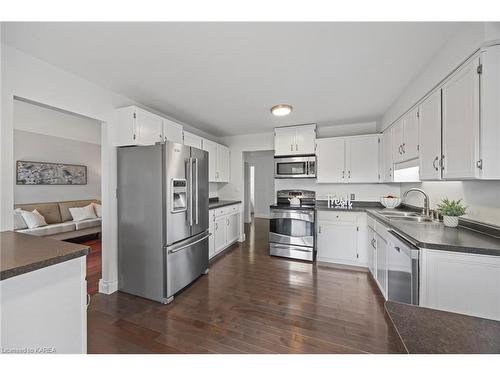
(451, 210)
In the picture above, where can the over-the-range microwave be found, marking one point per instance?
(295, 166)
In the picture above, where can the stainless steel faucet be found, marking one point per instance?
(425, 210)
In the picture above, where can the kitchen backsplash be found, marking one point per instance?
(213, 190)
(362, 192)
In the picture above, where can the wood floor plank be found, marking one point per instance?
(250, 302)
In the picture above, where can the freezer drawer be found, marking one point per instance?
(186, 261)
(289, 251)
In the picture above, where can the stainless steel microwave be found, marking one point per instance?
(295, 167)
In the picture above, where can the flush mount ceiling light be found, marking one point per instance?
(281, 110)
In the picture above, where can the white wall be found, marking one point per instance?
(39, 147)
(481, 197)
(263, 162)
(27, 77)
(453, 53)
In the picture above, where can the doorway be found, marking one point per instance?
(57, 157)
(259, 184)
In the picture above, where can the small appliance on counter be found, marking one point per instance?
(292, 225)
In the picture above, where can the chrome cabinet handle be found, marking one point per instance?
(319, 229)
(343, 174)
(434, 163)
(291, 147)
(397, 249)
(399, 148)
(296, 147)
(349, 174)
(404, 148)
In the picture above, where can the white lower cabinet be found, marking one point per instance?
(225, 228)
(340, 238)
(461, 283)
(371, 247)
(381, 245)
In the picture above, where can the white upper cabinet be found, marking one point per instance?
(362, 159)
(223, 163)
(193, 140)
(397, 142)
(218, 161)
(430, 137)
(387, 162)
(172, 131)
(135, 126)
(461, 123)
(211, 148)
(295, 140)
(348, 159)
(330, 156)
(405, 137)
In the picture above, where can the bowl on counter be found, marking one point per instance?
(390, 202)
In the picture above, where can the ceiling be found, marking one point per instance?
(224, 77)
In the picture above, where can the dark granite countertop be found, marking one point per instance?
(220, 203)
(429, 331)
(357, 206)
(435, 235)
(21, 253)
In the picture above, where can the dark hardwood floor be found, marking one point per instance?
(250, 303)
(94, 265)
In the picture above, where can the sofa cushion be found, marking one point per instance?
(50, 211)
(89, 223)
(65, 206)
(50, 229)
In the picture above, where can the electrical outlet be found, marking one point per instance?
(353, 196)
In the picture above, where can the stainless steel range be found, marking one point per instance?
(292, 225)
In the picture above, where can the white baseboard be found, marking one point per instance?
(108, 287)
(242, 238)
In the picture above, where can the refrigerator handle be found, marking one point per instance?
(190, 167)
(196, 189)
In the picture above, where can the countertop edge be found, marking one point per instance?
(7, 274)
(214, 205)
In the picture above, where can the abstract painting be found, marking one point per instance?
(44, 173)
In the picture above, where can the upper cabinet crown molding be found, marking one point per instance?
(295, 140)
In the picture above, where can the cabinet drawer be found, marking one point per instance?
(338, 216)
(226, 210)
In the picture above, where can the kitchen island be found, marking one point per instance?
(43, 295)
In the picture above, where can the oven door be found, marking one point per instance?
(292, 227)
(298, 167)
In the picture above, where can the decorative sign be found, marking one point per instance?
(341, 203)
(43, 173)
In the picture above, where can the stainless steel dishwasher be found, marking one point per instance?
(403, 265)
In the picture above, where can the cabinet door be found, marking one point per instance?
(362, 159)
(233, 228)
(172, 131)
(220, 234)
(192, 140)
(211, 230)
(305, 140)
(337, 242)
(372, 252)
(211, 148)
(330, 160)
(222, 174)
(430, 137)
(397, 142)
(381, 264)
(461, 123)
(284, 141)
(387, 156)
(148, 128)
(461, 283)
(410, 135)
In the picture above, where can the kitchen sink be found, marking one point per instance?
(398, 213)
(415, 219)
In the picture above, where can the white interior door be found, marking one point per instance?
(461, 123)
(330, 160)
(362, 159)
(430, 137)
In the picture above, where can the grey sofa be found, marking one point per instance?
(60, 222)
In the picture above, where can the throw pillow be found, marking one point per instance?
(98, 209)
(19, 222)
(82, 213)
(33, 219)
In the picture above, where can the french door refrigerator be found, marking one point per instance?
(162, 219)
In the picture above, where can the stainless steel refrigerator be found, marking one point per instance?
(162, 219)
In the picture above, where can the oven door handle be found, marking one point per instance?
(309, 216)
